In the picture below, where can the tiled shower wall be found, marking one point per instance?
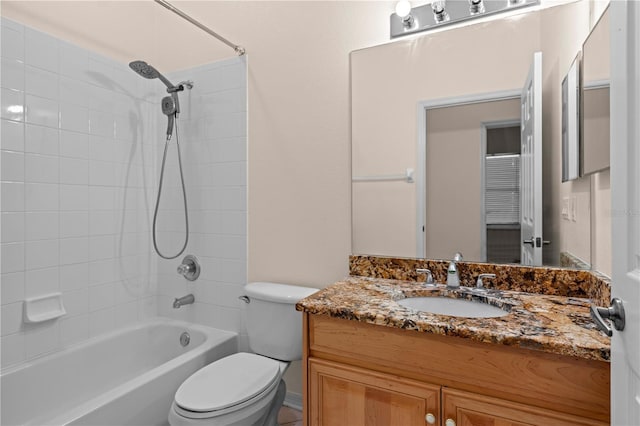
(81, 147)
(213, 138)
(76, 180)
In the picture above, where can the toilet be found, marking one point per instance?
(247, 388)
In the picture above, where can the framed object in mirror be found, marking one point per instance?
(595, 99)
(571, 122)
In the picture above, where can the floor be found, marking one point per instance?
(289, 417)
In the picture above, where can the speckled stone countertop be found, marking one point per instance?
(549, 323)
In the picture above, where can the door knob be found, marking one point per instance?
(430, 418)
(614, 313)
(450, 422)
(532, 241)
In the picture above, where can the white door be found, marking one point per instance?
(531, 167)
(625, 198)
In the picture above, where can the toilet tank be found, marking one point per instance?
(273, 324)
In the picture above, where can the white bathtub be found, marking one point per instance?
(128, 377)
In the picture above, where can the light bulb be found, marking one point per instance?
(403, 8)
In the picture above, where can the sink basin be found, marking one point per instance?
(453, 307)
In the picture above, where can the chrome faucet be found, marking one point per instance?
(429, 279)
(479, 283)
(453, 277)
(184, 300)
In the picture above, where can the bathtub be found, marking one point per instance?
(127, 377)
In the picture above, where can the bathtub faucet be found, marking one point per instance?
(184, 300)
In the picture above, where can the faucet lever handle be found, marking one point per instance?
(429, 279)
(479, 283)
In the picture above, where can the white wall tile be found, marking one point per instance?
(41, 225)
(41, 83)
(74, 197)
(41, 254)
(102, 272)
(74, 118)
(12, 287)
(12, 104)
(12, 39)
(74, 277)
(102, 123)
(41, 196)
(41, 168)
(74, 250)
(74, 224)
(41, 140)
(73, 91)
(41, 50)
(74, 145)
(74, 330)
(39, 282)
(12, 196)
(101, 173)
(12, 227)
(13, 346)
(102, 247)
(12, 166)
(12, 257)
(12, 74)
(41, 339)
(74, 171)
(41, 111)
(12, 135)
(76, 302)
(11, 318)
(101, 322)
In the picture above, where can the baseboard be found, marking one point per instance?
(293, 400)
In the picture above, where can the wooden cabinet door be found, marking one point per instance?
(344, 395)
(469, 409)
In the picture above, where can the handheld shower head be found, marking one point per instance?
(147, 71)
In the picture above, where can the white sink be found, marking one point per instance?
(453, 307)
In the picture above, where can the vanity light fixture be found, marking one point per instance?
(476, 7)
(403, 10)
(438, 13)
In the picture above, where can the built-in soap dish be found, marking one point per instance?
(43, 308)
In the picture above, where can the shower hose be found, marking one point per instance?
(184, 197)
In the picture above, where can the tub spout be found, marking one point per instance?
(184, 300)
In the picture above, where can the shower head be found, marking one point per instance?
(147, 71)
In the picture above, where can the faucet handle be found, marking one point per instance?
(457, 257)
(479, 283)
(429, 279)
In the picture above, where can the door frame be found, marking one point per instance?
(421, 166)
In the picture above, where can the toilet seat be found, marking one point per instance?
(227, 385)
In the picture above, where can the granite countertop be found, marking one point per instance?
(554, 324)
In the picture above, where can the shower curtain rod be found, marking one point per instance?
(238, 49)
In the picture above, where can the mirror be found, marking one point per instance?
(595, 99)
(571, 122)
(389, 81)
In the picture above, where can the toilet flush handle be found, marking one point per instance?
(245, 299)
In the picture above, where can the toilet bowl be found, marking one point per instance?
(235, 390)
(247, 389)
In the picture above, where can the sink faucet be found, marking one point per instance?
(429, 279)
(184, 300)
(453, 277)
(479, 283)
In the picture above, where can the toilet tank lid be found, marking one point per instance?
(279, 293)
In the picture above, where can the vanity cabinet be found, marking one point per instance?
(363, 374)
(344, 395)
